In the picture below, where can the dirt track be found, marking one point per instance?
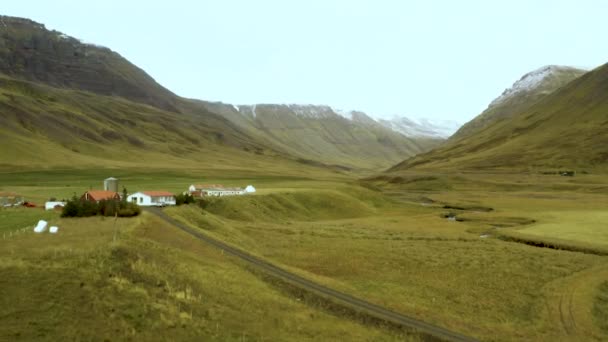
(337, 297)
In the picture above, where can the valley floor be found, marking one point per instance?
(387, 240)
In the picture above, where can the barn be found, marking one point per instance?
(152, 198)
(100, 195)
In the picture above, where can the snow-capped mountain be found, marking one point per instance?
(533, 80)
(528, 90)
(325, 134)
(409, 127)
(422, 128)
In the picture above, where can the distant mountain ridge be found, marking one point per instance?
(422, 128)
(409, 127)
(321, 133)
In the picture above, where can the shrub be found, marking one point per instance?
(80, 208)
(184, 199)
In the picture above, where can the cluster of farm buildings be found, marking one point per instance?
(142, 198)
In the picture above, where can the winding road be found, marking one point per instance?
(337, 297)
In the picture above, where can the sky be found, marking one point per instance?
(422, 59)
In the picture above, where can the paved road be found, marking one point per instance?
(307, 285)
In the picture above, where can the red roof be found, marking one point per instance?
(157, 193)
(99, 195)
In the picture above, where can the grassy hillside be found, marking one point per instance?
(563, 130)
(113, 103)
(318, 133)
(45, 127)
(139, 279)
(515, 100)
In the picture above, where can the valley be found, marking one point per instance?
(359, 228)
(383, 240)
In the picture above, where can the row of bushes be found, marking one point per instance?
(80, 208)
(77, 207)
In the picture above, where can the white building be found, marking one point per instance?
(200, 190)
(152, 198)
(53, 205)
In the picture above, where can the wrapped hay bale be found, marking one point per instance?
(53, 230)
(41, 226)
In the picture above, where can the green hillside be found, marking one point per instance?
(525, 93)
(566, 129)
(50, 128)
(319, 133)
(79, 103)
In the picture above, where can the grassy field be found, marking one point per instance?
(408, 257)
(600, 308)
(393, 247)
(16, 219)
(139, 279)
(39, 185)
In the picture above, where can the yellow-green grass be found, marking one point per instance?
(402, 255)
(409, 258)
(20, 218)
(554, 207)
(600, 309)
(582, 225)
(39, 185)
(140, 279)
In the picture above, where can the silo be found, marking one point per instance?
(110, 184)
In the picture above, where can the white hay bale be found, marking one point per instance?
(53, 229)
(41, 226)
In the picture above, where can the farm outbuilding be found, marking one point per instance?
(152, 198)
(250, 189)
(110, 184)
(100, 195)
(201, 190)
(51, 205)
(10, 199)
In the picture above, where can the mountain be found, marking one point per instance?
(421, 128)
(30, 52)
(85, 104)
(564, 129)
(351, 139)
(524, 93)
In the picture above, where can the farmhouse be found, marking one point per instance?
(100, 195)
(10, 199)
(152, 198)
(200, 190)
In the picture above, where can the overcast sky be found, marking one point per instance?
(433, 59)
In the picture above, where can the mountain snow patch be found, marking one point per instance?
(528, 82)
(422, 128)
(311, 112)
(348, 115)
